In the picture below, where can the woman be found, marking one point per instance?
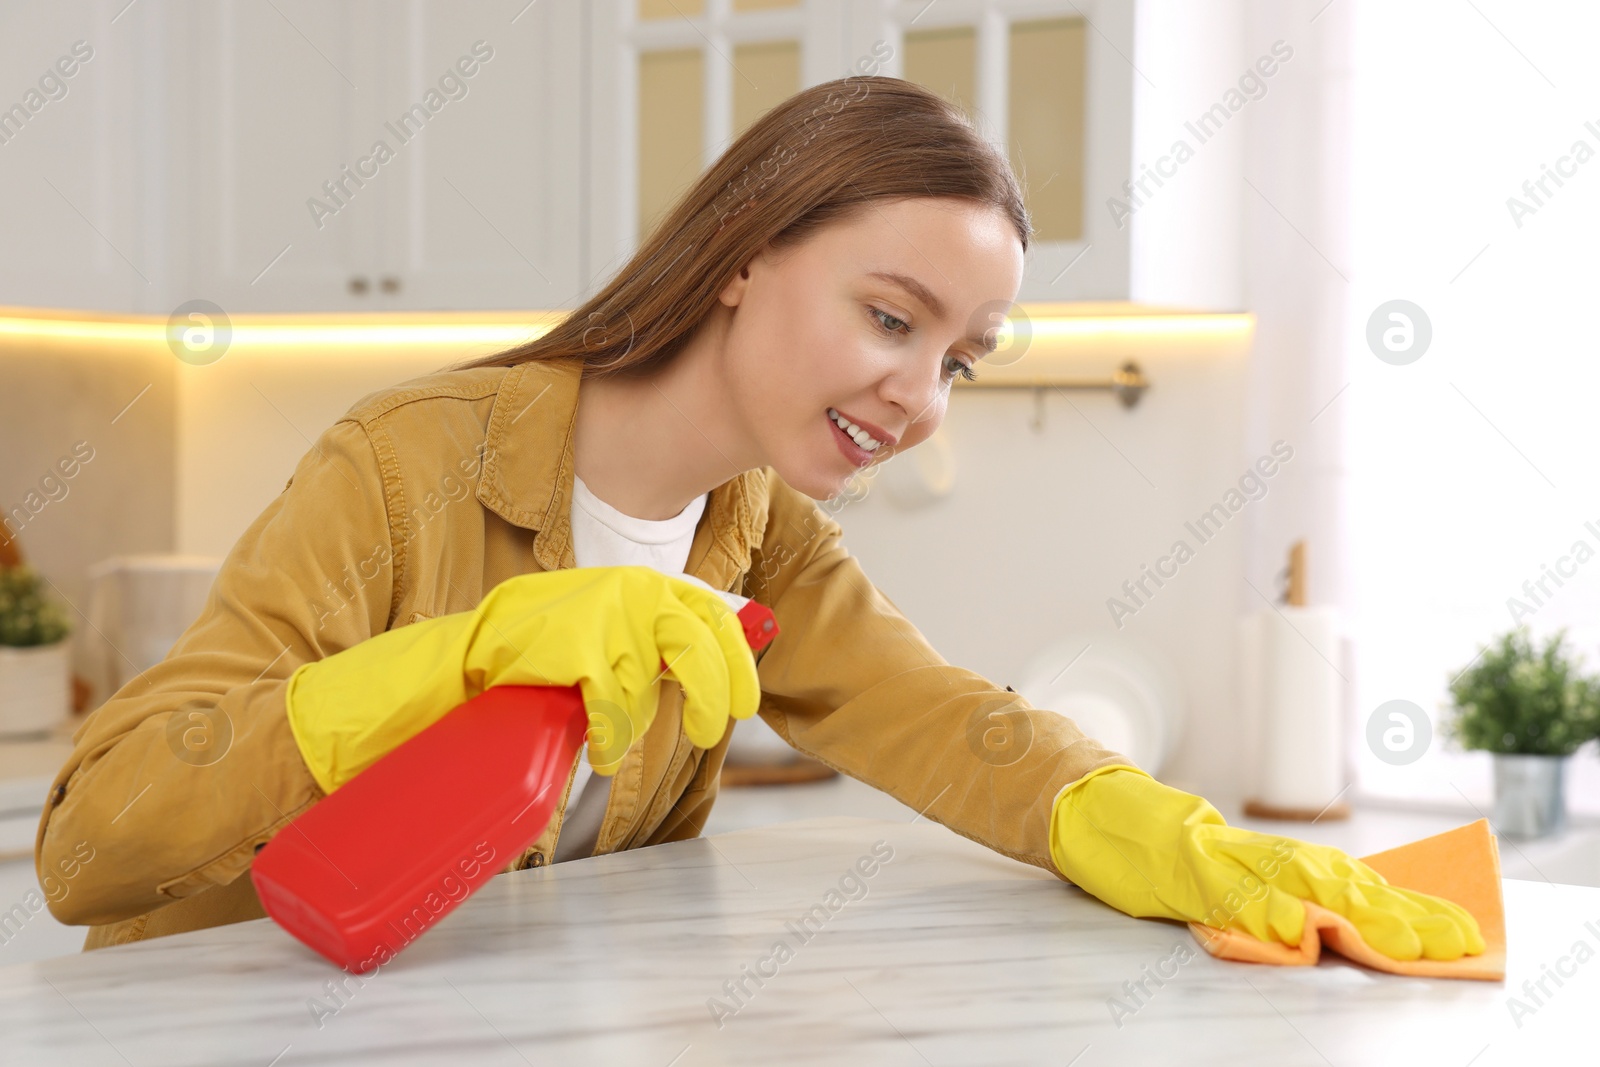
(548, 515)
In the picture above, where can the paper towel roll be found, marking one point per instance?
(1300, 759)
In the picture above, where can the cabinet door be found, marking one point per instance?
(482, 205)
(1050, 80)
(74, 158)
(277, 188)
(675, 80)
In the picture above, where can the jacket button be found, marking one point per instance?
(536, 859)
(60, 793)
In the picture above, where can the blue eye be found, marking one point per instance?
(890, 324)
(883, 319)
(962, 369)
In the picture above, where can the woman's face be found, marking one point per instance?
(825, 326)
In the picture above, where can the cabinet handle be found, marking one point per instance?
(389, 283)
(358, 284)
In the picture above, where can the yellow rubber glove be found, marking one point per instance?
(605, 629)
(1153, 851)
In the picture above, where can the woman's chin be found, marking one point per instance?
(814, 481)
(821, 473)
(820, 488)
(845, 487)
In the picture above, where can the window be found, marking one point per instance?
(1470, 469)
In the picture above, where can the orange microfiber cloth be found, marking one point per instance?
(1460, 865)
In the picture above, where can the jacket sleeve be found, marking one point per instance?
(178, 778)
(851, 682)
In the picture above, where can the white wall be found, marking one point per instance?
(59, 401)
(1043, 527)
(245, 421)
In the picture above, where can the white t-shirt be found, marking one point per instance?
(602, 536)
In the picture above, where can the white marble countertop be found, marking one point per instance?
(948, 954)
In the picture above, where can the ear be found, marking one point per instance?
(732, 294)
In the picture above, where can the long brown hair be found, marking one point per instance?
(818, 157)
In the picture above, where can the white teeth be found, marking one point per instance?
(860, 436)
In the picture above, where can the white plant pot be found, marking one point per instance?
(35, 688)
(1529, 794)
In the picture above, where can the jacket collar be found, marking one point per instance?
(528, 474)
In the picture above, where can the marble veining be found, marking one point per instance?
(922, 948)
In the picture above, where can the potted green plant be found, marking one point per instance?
(1531, 710)
(35, 675)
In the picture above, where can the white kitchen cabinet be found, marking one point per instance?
(484, 207)
(378, 157)
(230, 151)
(668, 82)
(273, 101)
(73, 120)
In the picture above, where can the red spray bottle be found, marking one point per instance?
(365, 871)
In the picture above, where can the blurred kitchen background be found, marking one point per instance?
(1307, 296)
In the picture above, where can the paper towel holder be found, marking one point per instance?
(1294, 594)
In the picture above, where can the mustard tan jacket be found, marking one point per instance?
(416, 503)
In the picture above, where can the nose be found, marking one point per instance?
(919, 393)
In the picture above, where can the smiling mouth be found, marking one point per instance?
(863, 440)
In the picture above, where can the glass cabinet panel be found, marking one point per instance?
(671, 134)
(765, 75)
(670, 9)
(1017, 68)
(946, 61)
(1045, 116)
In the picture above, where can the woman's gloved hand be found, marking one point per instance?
(1150, 850)
(605, 629)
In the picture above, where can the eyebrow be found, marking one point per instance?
(922, 293)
